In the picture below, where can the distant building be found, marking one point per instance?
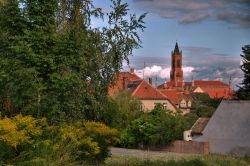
(228, 130)
(175, 94)
(214, 88)
(182, 99)
(141, 89)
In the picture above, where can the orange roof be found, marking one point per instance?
(175, 95)
(173, 84)
(118, 86)
(201, 83)
(172, 94)
(130, 76)
(144, 90)
(219, 92)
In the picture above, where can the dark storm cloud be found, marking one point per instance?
(236, 12)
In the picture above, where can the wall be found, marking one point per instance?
(191, 147)
(228, 130)
(149, 105)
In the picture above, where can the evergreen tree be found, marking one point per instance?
(244, 91)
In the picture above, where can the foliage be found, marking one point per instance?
(18, 132)
(244, 90)
(204, 107)
(121, 110)
(54, 64)
(29, 141)
(156, 128)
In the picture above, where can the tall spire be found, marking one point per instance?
(176, 49)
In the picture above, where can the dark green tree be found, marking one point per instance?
(244, 90)
(54, 63)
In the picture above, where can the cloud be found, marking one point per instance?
(235, 12)
(197, 50)
(160, 72)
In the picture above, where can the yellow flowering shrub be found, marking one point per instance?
(85, 145)
(97, 129)
(19, 129)
(91, 139)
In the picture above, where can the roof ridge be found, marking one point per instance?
(136, 89)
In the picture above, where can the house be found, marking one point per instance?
(180, 98)
(198, 127)
(141, 89)
(121, 82)
(228, 130)
(149, 96)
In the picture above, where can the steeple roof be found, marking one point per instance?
(176, 49)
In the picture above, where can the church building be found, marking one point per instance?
(214, 88)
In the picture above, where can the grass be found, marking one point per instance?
(198, 160)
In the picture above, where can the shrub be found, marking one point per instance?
(29, 141)
(17, 134)
(156, 128)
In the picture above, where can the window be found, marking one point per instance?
(183, 104)
(141, 107)
(189, 104)
(178, 64)
(165, 106)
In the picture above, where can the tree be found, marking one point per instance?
(157, 128)
(54, 64)
(120, 110)
(244, 90)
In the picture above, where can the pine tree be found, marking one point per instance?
(244, 91)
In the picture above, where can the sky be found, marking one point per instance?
(210, 34)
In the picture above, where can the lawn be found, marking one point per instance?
(196, 160)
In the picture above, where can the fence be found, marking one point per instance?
(188, 147)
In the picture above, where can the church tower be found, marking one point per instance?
(176, 73)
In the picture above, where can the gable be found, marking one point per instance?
(147, 91)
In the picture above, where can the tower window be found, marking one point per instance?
(178, 63)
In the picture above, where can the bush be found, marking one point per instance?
(17, 134)
(29, 141)
(156, 128)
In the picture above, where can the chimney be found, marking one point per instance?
(192, 81)
(230, 82)
(125, 83)
(156, 82)
(150, 81)
(132, 70)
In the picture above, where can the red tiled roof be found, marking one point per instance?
(146, 91)
(201, 83)
(171, 94)
(130, 76)
(118, 86)
(219, 92)
(174, 84)
(176, 95)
